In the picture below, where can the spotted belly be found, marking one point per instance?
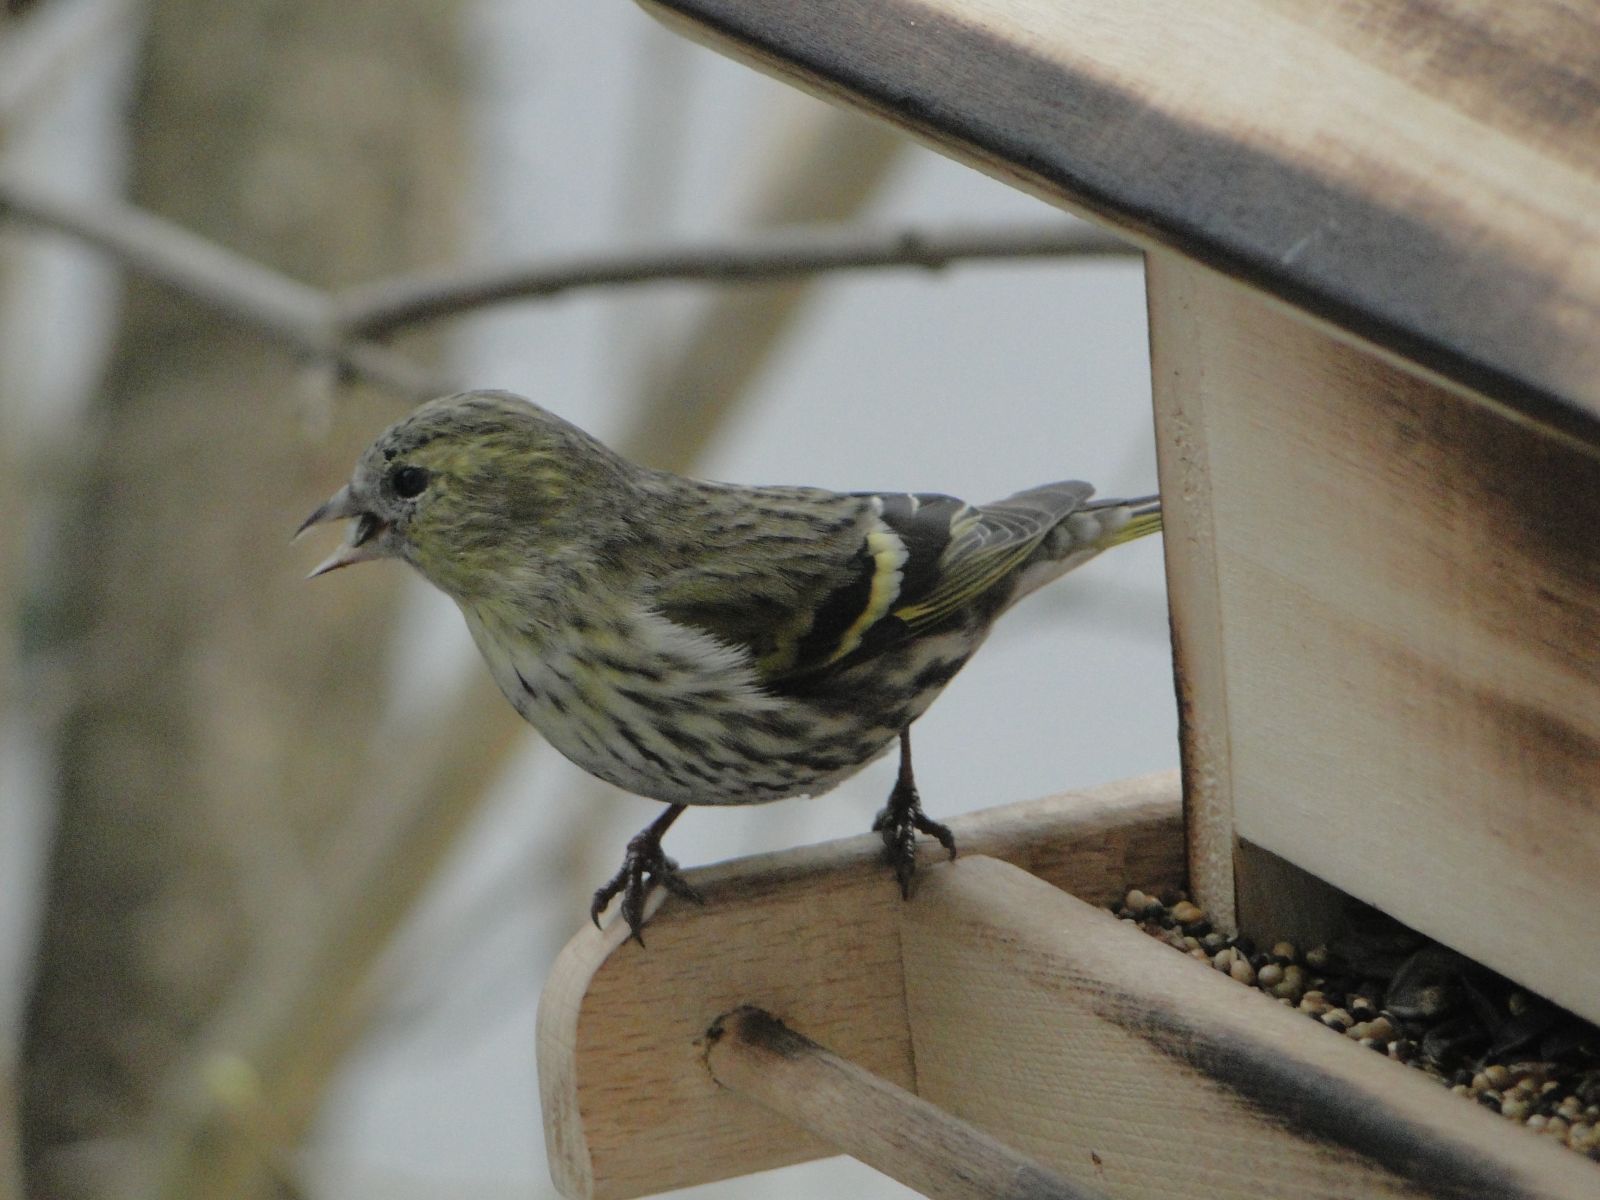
(675, 716)
(699, 748)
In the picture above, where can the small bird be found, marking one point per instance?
(705, 643)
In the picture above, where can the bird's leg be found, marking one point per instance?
(902, 819)
(643, 866)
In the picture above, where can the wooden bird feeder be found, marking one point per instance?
(1373, 263)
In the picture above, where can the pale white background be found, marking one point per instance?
(978, 381)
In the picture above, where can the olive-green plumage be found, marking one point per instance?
(704, 643)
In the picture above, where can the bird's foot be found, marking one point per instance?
(898, 823)
(644, 865)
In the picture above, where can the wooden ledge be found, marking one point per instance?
(1037, 1018)
(810, 935)
(1030, 1013)
(1123, 1064)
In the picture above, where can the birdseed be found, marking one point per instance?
(1418, 1002)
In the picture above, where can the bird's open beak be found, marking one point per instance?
(360, 545)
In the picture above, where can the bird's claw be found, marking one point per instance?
(899, 822)
(644, 865)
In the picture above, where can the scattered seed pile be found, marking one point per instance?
(1390, 988)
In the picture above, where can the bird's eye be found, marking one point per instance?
(408, 482)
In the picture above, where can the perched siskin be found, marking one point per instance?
(705, 643)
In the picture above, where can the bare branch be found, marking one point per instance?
(382, 308)
(338, 331)
(284, 309)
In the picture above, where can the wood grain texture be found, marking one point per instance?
(1418, 174)
(758, 1057)
(1189, 544)
(1402, 632)
(810, 936)
(1130, 1067)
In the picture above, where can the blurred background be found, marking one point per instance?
(280, 873)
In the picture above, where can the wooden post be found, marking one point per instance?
(887, 1127)
(1386, 604)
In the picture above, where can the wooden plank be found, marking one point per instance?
(809, 935)
(1400, 631)
(1419, 174)
(757, 1056)
(1189, 542)
(1130, 1067)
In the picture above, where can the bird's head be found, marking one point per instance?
(478, 491)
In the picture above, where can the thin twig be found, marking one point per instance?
(284, 309)
(382, 308)
(339, 330)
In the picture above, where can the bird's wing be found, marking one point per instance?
(910, 562)
(962, 550)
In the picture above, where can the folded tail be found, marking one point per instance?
(1144, 518)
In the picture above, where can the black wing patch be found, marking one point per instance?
(927, 558)
(837, 615)
(958, 551)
